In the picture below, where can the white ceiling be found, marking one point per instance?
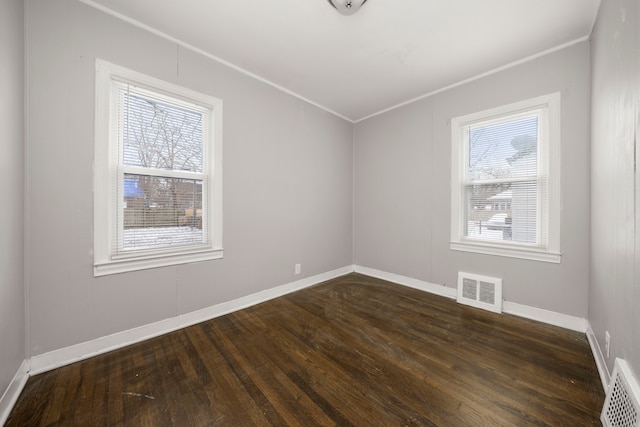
(390, 52)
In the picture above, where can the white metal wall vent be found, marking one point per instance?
(480, 291)
(622, 404)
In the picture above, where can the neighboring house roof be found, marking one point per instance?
(131, 188)
(505, 195)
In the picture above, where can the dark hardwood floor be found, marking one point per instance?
(354, 351)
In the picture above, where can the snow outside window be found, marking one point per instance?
(158, 173)
(505, 180)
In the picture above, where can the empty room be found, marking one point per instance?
(319, 212)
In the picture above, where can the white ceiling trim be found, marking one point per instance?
(136, 23)
(179, 42)
(479, 76)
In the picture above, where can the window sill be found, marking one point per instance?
(142, 263)
(521, 252)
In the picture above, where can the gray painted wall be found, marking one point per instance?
(12, 306)
(402, 186)
(614, 293)
(287, 183)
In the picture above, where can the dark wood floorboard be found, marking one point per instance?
(354, 351)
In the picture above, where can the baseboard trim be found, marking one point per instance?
(566, 321)
(533, 313)
(601, 363)
(65, 356)
(57, 358)
(10, 396)
(432, 288)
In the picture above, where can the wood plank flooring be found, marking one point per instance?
(354, 351)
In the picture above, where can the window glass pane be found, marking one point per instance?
(508, 149)
(504, 212)
(161, 212)
(160, 135)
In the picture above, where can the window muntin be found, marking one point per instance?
(505, 180)
(158, 173)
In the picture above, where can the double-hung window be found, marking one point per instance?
(157, 173)
(505, 180)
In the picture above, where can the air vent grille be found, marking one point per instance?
(621, 407)
(480, 291)
(487, 293)
(469, 288)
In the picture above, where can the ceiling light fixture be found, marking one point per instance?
(347, 7)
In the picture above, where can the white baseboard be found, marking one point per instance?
(57, 358)
(54, 359)
(10, 396)
(64, 356)
(601, 363)
(533, 313)
(566, 321)
(407, 281)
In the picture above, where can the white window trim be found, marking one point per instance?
(106, 173)
(550, 146)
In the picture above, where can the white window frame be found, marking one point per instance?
(109, 173)
(547, 248)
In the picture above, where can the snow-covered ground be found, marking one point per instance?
(160, 237)
(473, 229)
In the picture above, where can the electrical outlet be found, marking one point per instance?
(607, 343)
(297, 269)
